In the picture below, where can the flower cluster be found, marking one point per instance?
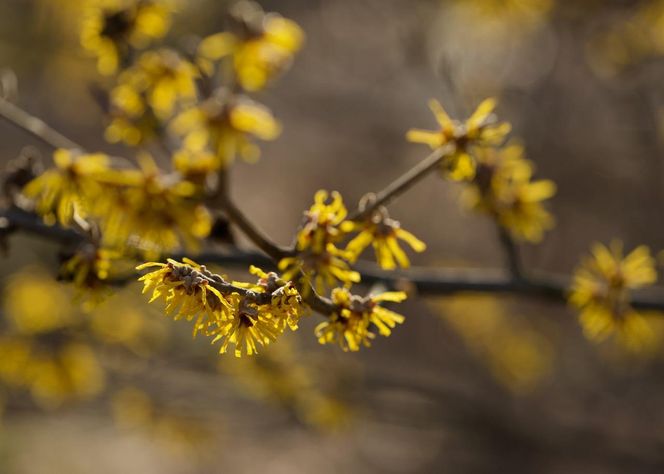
(383, 233)
(319, 260)
(42, 347)
(112, 29)
(351, 325)
(601, 291)
(263, 47)
(186, 101)
(138, 208)
(147, 94)
(242, 314)
(503, 188)
(479, 131)
(224, 125)
(52, 376)
(88, 268)
(70, 188)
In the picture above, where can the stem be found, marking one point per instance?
(320, 304)
(512, 257)
(37, 127)
(403, 182)
(236, 216)
(426, 281)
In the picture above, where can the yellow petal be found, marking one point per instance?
(439, 112)
(433, 139)
(481, 113)
(217, 46)
(415, 243)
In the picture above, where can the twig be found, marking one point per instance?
(35, 126)
(237, 217)
(511, 251)
(425, 281)
(403, 182)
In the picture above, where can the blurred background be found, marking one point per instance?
(470, 383)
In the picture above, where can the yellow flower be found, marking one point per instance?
(34, 303)
(131, 130)
(243, 314)
(147, 94)
(89, 265)
(249, 326)
(503, 188)
(74, 372)
(631, 39)
(384, 234)
(260, 315)
(53, 376)
(601, 290)
(69, 188)
(319, 261)
(111, 28)
(321, 271)
(285, 301)
(152, 211)
(188, 293)
(261, 54)
(480, 130)
(40, 349)
(226, 126)
(195, 165)
(322, 222)
(352, 325)
(88, 269)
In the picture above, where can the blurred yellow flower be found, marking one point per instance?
(34, 303)
(480, 130)
(122, 320)
(52, 375)
(601, 291)
(151, 211)
(69, 188)
(226, 126)
(147, 94)
(503, 187)
(351, 326)
(263, 52)
(517, 353)
(195, 165)
(629, 40)
(111, 28)
(88, 269)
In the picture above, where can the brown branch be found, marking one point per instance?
(262, 241)
(403, 182)
(511, 251)
(425, 281)
(35, 126)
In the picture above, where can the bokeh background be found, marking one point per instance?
(470, 383)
